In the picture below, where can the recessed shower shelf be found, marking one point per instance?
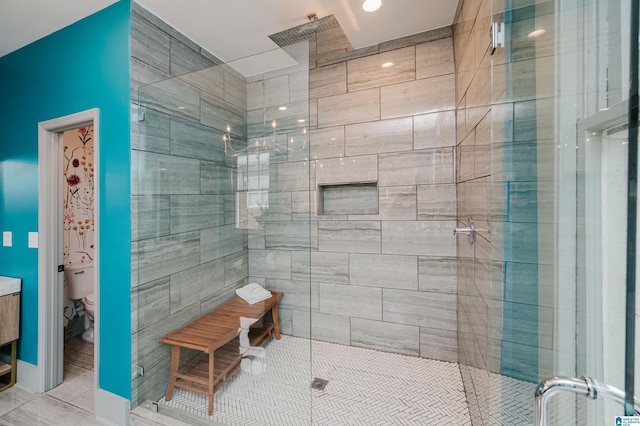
(348, 198)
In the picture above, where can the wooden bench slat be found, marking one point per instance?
(216, 335)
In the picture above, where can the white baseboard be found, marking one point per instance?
(28, 377)
(111, 407)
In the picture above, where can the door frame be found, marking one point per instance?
(50, 253)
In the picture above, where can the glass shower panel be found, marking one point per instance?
(220, 200)
(558, 199)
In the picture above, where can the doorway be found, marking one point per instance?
(51, 255)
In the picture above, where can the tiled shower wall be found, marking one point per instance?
(187, 254)
(505, 181)
(473, 144)
(385, 280)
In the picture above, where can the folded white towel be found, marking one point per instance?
(253, 293)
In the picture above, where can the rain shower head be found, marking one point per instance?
(325, 35)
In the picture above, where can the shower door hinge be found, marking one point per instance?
(137, 114)
(497, 35)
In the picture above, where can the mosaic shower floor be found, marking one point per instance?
(365, 387)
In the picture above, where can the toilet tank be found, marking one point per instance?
(80, 280)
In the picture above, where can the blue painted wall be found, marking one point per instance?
(83, 66)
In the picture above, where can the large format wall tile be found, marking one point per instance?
(166, 174)
(297, 294)
(185, 59)
(329, 267)
(367, 72)
(221, 241)
(356, 107)
(435, 310)
(344, 236)
(156, 211)
(152, 133)
(327, 143)
(219, 114)
(384, 336)
(149, 44)
(164, 256)
(270, 263)
(235, 88)
(438, 274)
(386, 271)
(350, 300)
(437, 202)
(418, 97)
(434, 58)
(394, 203)
(217, 178)
(153, 300)
(434, 130)
(331, 328)
(439, 344)
(194, 284)
(379, 137)
(194, 140)
(195, 212)
(236, 269)
(347, 170)
(172, 96)
(419, 238)
(328, 81)
(287, 235)
(417, 167)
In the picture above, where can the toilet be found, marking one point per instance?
(80, 287)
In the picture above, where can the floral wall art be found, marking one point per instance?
(78, 201)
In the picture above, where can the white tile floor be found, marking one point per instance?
(71, 403)
(366, 387)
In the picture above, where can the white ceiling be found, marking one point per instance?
(232, 29)
(25, 21)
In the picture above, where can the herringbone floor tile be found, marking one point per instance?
(366, 387)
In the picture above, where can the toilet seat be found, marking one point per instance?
(90, 299)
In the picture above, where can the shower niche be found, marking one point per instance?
(348, 198)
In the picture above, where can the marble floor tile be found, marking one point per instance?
(44, 410)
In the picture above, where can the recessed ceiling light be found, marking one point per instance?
(301, 120)
(180, 107)
(371, 5)
(387, 65)
(283, 108)
(536, 33)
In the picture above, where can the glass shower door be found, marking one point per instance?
(559, 76)
(220, 200)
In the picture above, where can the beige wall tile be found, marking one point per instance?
(367, 72)
(434, 130)
(351, 301)
(384, 336)
(363, 168)
(328, 81)
(356, 107)
(418, 97)
(417, 167)
(327, 143)
(379, 137)
(434, 58)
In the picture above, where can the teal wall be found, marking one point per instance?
(83, 66)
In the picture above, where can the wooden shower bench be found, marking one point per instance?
(215, 338)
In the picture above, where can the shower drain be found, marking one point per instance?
(319, 384)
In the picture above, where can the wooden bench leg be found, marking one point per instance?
(211, 378)
(276, 321)
(173, 374)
